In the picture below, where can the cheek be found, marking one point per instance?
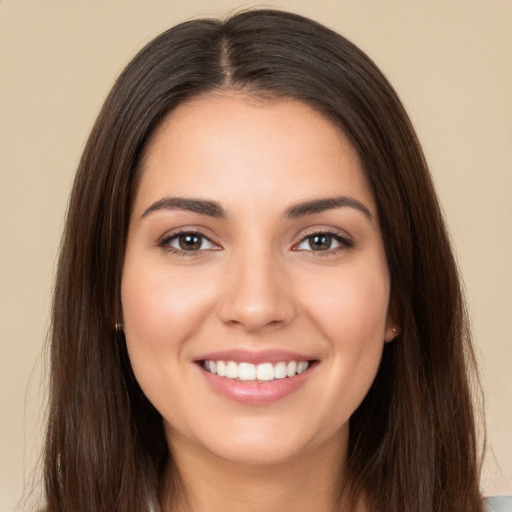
(352, 317)
(161, 310)
(352, 308)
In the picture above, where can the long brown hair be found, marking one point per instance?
(412, 441)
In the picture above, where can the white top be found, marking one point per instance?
(492, 504)
(498, 504)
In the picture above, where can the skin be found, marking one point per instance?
(255, 283)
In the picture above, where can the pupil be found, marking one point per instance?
(190, 242)
(320, 242)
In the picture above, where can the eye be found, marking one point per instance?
(187, 241)
(323, 242)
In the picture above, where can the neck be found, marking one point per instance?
(309, 481)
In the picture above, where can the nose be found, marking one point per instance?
(257, 294)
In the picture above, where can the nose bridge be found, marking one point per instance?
(256, 293)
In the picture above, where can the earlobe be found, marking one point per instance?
(391, 333)
(393, 327)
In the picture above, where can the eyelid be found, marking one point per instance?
(164, 241)
(344, 240)
(342, 237)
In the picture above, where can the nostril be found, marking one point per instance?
(255, 297)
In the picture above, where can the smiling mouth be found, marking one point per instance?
(249, 372)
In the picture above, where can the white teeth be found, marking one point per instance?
(246, 371)
(265, 371)
(302, 366)
(221, 368)
(280, 370)
(290, 369)
(250, 372)
(232, 370)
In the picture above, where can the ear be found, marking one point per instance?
(392, 331)
(393, 327)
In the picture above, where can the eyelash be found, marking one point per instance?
(165, 242)
(345, 243)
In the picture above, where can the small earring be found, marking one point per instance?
(118, 326)
(395, 332)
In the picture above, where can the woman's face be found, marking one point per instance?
(254, 249)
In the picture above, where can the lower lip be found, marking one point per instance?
(255, 393)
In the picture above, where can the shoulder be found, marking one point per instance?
(498, 504)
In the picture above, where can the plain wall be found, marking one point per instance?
(451, 63)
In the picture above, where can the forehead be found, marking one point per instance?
(230, 147)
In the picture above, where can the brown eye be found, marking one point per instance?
(187, 241)
(190, 241)
(324, 242)
(320, 242)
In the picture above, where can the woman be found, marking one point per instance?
(257, 307)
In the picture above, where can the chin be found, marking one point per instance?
(261, 443)
(257, 453)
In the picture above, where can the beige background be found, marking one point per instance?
(451, 62)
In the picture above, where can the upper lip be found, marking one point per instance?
(253, 356)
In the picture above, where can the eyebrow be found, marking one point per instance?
(214, 209)
(323, 204)
(201, 206)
